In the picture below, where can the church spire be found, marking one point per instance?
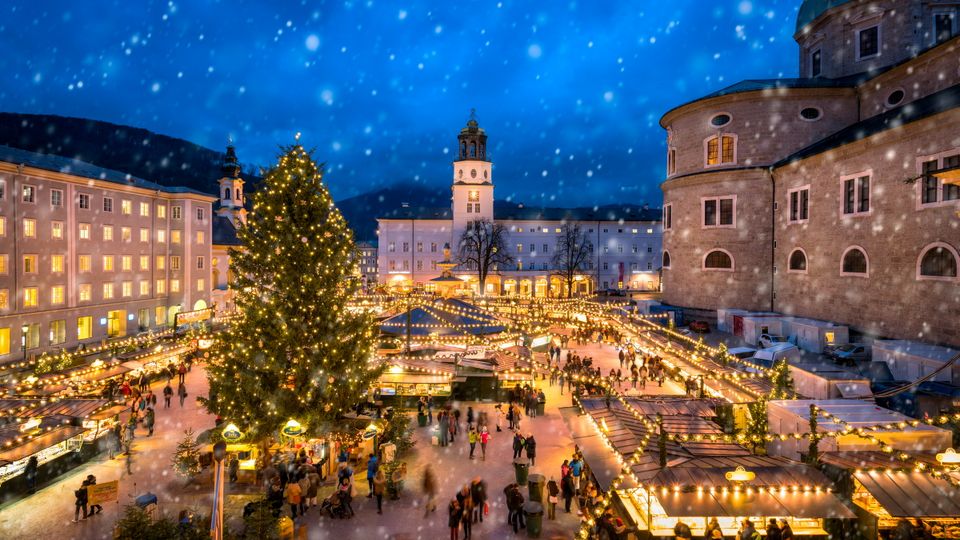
(231, 165)
(472, 140)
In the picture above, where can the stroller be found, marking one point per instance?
(333, 506)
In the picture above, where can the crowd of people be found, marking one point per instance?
(775, 530)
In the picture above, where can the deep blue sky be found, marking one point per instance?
(570, 93)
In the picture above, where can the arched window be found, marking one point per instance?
(473, 150)
(854, 262)
(666, 259)
(937, 261)
(718, 259)
(463, 149)
(798, 261)
(238, 194)
(720, 149)
(226, 193)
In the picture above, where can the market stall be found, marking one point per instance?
(53, 441)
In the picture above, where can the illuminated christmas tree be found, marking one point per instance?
(295, 352)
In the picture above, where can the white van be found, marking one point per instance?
(781, 350)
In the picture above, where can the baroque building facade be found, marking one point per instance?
(625, 240)
(829, 195)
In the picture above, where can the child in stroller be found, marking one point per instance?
(333, 506)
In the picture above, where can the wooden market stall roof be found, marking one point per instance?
(74, 408)
(13, 446)
(794, 504)
(871, 459)
(911, 494)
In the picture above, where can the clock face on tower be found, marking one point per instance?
(473, 173)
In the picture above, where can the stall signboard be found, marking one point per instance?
(190, 317)
(388, 390)
(103, 493)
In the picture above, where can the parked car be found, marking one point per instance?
(742, 352)
(851, 353)
(769, 355)
(613, 292)
(700, 327)
(685, 332)
(769, 340)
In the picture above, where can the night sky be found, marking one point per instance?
(570, 93)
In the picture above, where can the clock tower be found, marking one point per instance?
(472, 177)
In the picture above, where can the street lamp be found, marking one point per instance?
(216, 519)
(23, 339)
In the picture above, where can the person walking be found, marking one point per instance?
(454, 515)
(472, 439)
(517, 444)
(379, 486)
(478, 492)
(181, 372)
(429, 486)
(553, 492)
(568, 490)
(576, 468)
(773, 531)
(345, 492)
(466, 511)
(484, 439)
(293, 494)
(30, 472)
(181, 390)
(149, 419)
(531, 445)
(499, 410)
(456, 422)
(430, 409)
(167, 395)
(470, 416)
(514, 507)
(444, 422)
(81, 502)
(94, 508)
(373, 465)
(786, 532)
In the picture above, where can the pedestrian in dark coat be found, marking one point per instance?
(568, 490)
(517, 445)
(182, 392)
(531, 446)
(81, 502)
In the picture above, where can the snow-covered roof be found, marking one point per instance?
(915, 348)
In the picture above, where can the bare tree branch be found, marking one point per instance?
(573, 250)
(482, 248)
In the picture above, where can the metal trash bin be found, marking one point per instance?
(522, 467)
(541, 405)
(535, 483)
(422, 420)
(533, 512)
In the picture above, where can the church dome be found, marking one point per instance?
(811, 9)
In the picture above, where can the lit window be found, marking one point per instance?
(161, 286)
(56, 230)
(125, 234)
(144, 262)
(721, 150)
(30, 297)
(144, 288)
(4, 298)
(126, 289)
(473, 196)
(161, 236)
(29, 194)
(161, 262)
(85, 292)
(84, 231)
(144, 235)
(83, 263)
(107, 233)
(175, 237)
(160, 315)
(126, 263)
(144, 209)
(84, 327)
(932, 189)
(3, 264)
(126, 207)
(856, 194)
(201, 284)
(107, 291)
(29, 228)
(56, 264)
(174, 285)
(200, 238)
(108, 263)
(4, 341)
(161, 211)
(58, 332)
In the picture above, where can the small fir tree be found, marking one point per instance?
(782, 380)
(186, 458)
(813, 452)
(722, 357)
(757, 427)
(295, 351)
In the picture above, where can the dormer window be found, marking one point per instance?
(816, 65)
(868, 42)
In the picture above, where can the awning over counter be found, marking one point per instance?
(601, 460)
(41, 442)
(414, 378)
(800, 505)
(912, 494)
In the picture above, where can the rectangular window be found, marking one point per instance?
(799, 205)
(56, 295)
(144, 262)
(108, 263)
(83, 263)
(160, 315)
(56, 264)
(144, 209)
(419, 265)
(201, 284)
(56, 197)
(144, 235)
(161, 263)
(4, 341)
(29, 264)
(3, 189)
(951, 192)
(126, 263)
(175, 237)
(546, 248)
(126, 289)
(29, 228)
(126, 207)
(29, 194)
(815, 64)
(667, 216)
(868, 42)
(84, 327)
(174, 262)
(108, 205)
(107, 233)
(392, 247)
(144, 288)
(143, 317)
(405, 264)
(199, 214)
(31, 297)
(728, 149)
(85, 292)
(406, 247)
(3, 265)
(162, 211)
(174, 285)
(161, 236)
(176, 212)
(719, 212)
(856, 195)
(4, 298)
(533, 248)
(161, 286)
(943, 26)
(84, 231)
(107, 291)
(58, 332)
(56, 230)
(32, 336)
(199, 263)
(671, 160)
(125, 234)
(605, 266)
(433, 247)
(419, 247)
(519, 248)
(83, 201)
